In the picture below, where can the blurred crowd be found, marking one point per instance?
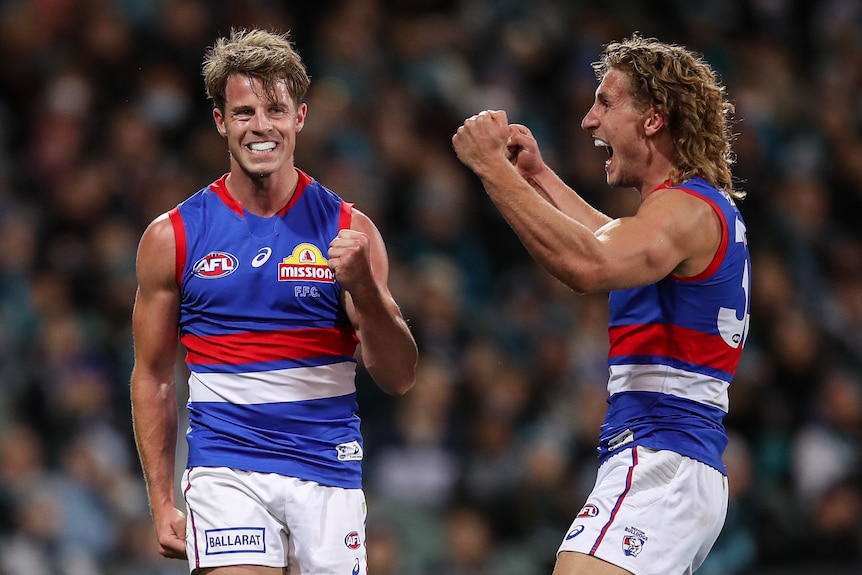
(479, 469)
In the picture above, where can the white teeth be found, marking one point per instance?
(262, 146)
(600, 143)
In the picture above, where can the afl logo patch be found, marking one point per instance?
(589, 510)
(352, 540)
(215, 265)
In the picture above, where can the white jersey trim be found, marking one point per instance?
(669, 380)
(276, 386)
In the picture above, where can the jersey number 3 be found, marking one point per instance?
(731, 326)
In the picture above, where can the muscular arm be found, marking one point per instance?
(671, 232)
(154, 405)
(358, 257)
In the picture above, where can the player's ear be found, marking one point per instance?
(218, 117)
(301, 111)
(653, 122)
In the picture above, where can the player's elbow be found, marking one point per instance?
(396, 384)
(577, 284)
(395, 378)
(583, 279)
(402, 386)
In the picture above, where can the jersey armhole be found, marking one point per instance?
(346, 216)
(722, 245)
(180, 241)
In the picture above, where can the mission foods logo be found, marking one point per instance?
(306, 263)
(215, 265)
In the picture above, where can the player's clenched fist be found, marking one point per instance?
(482, 139)
(349, 257)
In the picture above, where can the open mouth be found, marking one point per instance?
(261, 147)
(602, 144)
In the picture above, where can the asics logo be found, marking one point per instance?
(261, 257)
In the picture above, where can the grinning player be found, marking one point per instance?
(269, 280)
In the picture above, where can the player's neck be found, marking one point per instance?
(262, 195)
(656, 174)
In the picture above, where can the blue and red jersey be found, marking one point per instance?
(269, 345)
(675, 346)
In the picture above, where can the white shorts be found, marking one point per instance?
(246, 518)
(651, 513)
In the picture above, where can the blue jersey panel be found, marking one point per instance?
(269, 344)
(298, 439)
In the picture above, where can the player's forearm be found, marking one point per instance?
(154, 421)
(566, 247)
(564, 198)
(389, 351)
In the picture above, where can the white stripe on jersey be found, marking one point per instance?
(276, 386)
(666, 379)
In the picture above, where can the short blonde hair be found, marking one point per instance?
(268, 56)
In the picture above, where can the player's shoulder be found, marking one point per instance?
(160, 230)
(360, 221)
(690, 197)
(670, 200)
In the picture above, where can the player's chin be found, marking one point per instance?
(614, 179)
(262, 163)
(257, 170)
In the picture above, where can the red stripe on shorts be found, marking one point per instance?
(619, 502)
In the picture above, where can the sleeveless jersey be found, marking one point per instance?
(675, 346)
(269, 345)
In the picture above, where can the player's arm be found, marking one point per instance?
(153, 391)
(358, 257)
(522, 151)
(671, 232)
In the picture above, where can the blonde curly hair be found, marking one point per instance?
(681, 85)
(267, 56)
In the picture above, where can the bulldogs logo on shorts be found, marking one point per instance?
(634, 541)
(632, 545)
